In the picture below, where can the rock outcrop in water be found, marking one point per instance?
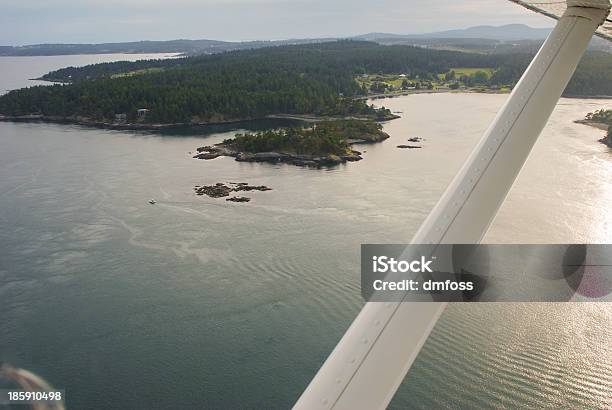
(221, 190)
(218, 190)
(238, 199)
(412, 139)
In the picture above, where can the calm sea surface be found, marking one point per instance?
(200, 303)
(18, 72)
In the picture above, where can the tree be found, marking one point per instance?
(480, 77)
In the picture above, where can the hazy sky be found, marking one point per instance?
(84, 21)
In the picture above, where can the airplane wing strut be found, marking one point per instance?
(372, 358)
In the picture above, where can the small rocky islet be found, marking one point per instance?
(221, 190)
(409, 146)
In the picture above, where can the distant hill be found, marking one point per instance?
(487, 39)
(507, 32)
(188, 47)
(484, 39)
(172, 46)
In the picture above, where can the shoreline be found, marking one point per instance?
(210, 152)
(162, 126)
(92, 123)
(606, 140)
(315, 118)
(49, 81)
(83, 121)
(595, 124)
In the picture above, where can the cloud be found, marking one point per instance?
(36, 21)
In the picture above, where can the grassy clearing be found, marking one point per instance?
(459, 71)
(390, 80)
(476, 79)
(137, 72)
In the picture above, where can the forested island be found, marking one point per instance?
(322, 144)
(317, 80)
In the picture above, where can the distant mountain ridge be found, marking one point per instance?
(506, 32)
(485, 34)
(189, 47)
(484, 39)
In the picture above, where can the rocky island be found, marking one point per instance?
(413, 139)
(221, 190)
(327, 143)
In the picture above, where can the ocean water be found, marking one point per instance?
(200, 303)
(20, 71)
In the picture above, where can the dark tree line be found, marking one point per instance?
(593, 75)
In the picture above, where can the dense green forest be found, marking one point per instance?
(592, 77)
(340, 57)
(237, 85)
(314, 79)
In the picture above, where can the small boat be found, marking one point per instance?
(152, 201)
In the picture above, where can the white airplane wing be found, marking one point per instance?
(555, 9)
(372, 358)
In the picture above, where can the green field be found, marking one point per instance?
(137, 72)
(390, 80)
(459, 71)
(393, 82)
